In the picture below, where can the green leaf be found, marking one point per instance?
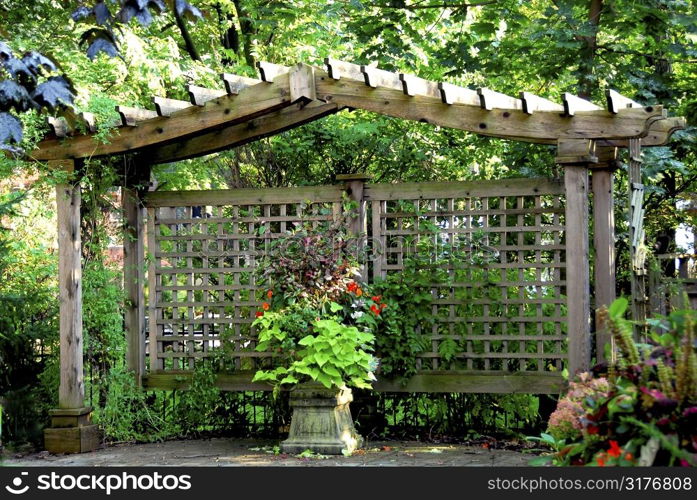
(334, 307)
(618, 308)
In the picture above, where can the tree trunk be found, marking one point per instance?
(188, 42)
(587, 80)
(247, 29)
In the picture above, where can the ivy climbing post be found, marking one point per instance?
(71, 429)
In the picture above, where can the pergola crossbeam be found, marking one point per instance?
(165, 106)
(491, 99)
(235, 83)
(269, 71)
(344, 85)
(131, 116)
(237, 135)
(201, 95)
(532, 103)
(574, 104)
(616, 101)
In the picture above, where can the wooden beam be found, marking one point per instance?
(490, 100)
(659, 133)
(413, 85)
(72, 123)
(242, 196)
(576, 151)
(452, 94)
(59, 126)
(616, 101)
(134, 285)
(544, 127)
(154, 313)
(201, 95)
(338, 69)
(604, 246)
(358, 225)
(71, 392)
(269, 71)
(449, 381)
(239, 134)
(577, 268)
(302, 84)
(251, 103)
(165, 107)
(131, 116)
(235, 83)
(375, 77)
(532, 103)
(574, 104)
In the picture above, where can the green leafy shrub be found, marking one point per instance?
(639, 410)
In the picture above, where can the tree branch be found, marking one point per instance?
(190, 47)
(437, 6)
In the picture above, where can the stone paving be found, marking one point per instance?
(248, 452)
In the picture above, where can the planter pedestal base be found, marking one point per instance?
(321, 421)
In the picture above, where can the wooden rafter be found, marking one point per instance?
(200, 125)
(243, 133)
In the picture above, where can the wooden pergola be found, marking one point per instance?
(587, 138)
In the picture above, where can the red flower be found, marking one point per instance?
(601, 462)
(629, 457)
(615, 450)
(593, 429)
(259, 314)
(265, 306)
(377, 298)
(383, 306)
(269, 294)
(352, 287)
(375, 309)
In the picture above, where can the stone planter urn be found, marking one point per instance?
(321, 421)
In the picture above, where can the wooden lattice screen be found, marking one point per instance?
(504, 313)
(204, 247)
(504, 307)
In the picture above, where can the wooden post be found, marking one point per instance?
(355, 183)
(604, 243)
(637, 249)
(71, 430)
(133, 280)
(575, 157)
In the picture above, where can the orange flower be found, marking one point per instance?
(259, 314)
(265, 306)
(383, 306)
(359, 292)
(615, 451)
(601, 462)
(269, 294)
(629, 456)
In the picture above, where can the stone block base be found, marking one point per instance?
(321, 422)
(71, 431)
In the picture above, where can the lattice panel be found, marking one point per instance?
(201, 275)
(502, 246)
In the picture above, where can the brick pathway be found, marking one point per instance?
(247, 452)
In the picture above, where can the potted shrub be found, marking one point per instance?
(317, 320)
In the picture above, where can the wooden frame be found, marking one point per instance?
(584, 133)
